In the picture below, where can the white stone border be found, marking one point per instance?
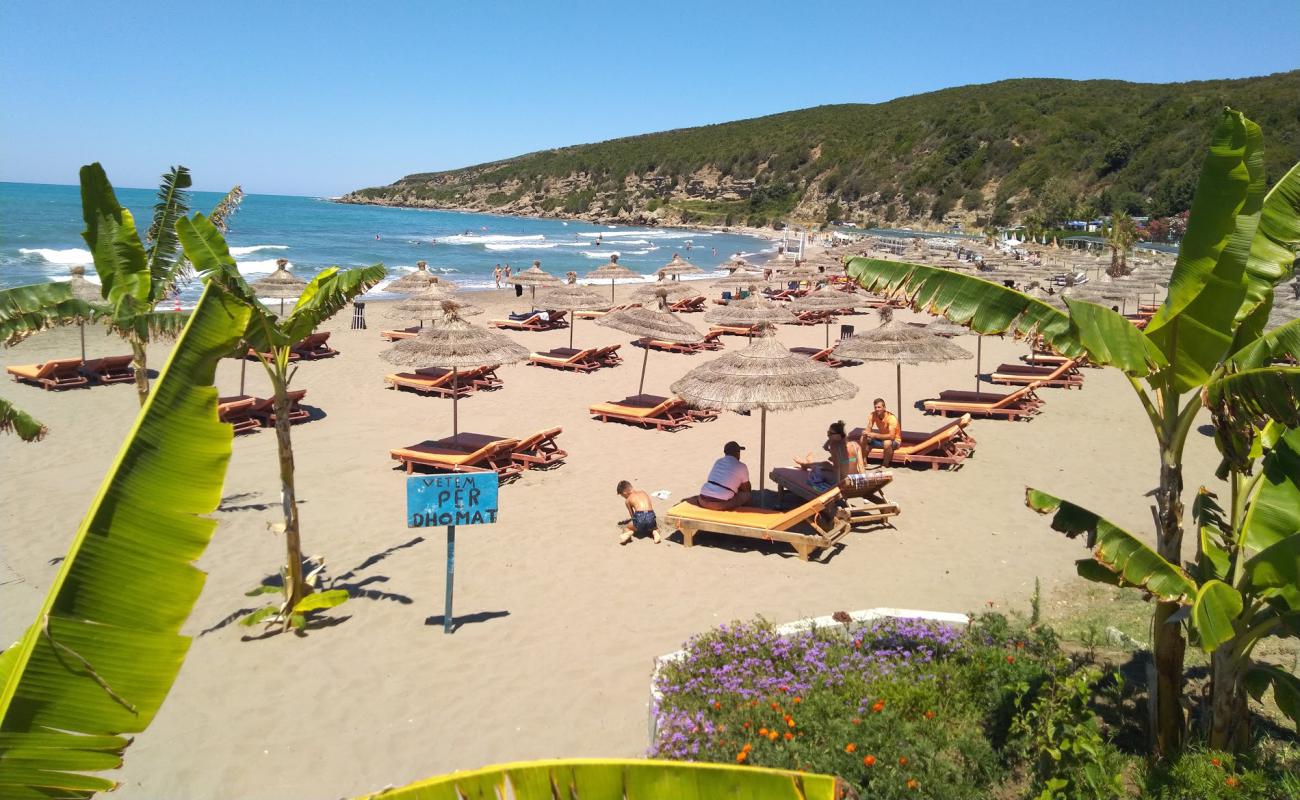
(800, 626)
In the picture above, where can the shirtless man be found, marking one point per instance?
(642, 510)
(496, 274)
(883, 432)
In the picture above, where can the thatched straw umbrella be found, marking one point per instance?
(828, 299)
(452, 343)
(753, 310)
(652, 323)
(740, 280)
(673, 290)
(86, 292)
(678, 266)
(767, 376)
(571, 297)
(946, 328)
(281, 284)
(533, 277)
(738, 264)
(414, 281)
(424, 304)
(614, 271)
(900, 343)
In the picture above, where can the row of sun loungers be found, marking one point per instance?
(72, 373)
(598, 313)
(651, 411)
(445, 383)
(476, 452)
(1020, 404)
(247, 413)
(536, 321)
(587, 360)
(312, 347)
(709, 342)
(1064, 376)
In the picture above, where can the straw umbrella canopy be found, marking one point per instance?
(767, 376)
(452, 343)
(652, 323)
(614, 271)
(828, 299)
(739, 264)
(414, 281)
(674, 290)
(533, 277)
(740, 281)
(945, 328)
(425, 304)
(678, 266)
(571, 297)
(281, 283)
(900, 343)
(86, 292)
(753, 310)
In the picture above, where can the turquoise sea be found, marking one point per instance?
(41, 224)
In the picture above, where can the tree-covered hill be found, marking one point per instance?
(1039, 149)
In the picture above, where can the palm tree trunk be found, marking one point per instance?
(141, 363)
(1168, 644)
(1229, 715)
(294, 586)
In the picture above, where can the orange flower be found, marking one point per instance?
(747, 747)
(913, 783)
(741, 756)
(902, 761)
(789, 721)
(1216, 762)
(771, 735)
(746, 726)
(850, 747)
(1011, 659)
(776, 706)
(929, 715)
(788, 736)
(798, 699)
(762, 731)
(869, 760)
(717, 705)
(857, 721)
(1020, 645)
(878, 706)
(857, 644)
(1231, 781)
(784, 688)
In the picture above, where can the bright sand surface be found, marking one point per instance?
(560, 622)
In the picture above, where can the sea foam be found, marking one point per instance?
(243, 251)
(473, 238)
(71, 257)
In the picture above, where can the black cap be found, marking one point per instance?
(732, 447)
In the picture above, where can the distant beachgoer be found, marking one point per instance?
(883, 431)
(496, 275)
(728, 483)
(641, 507)
(376, 236)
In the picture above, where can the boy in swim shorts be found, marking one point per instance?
(642, 510)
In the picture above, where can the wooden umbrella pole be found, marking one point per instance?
(979, 360)
(571, 323)
(455, 401)
(828, 332)
(82, 324)
(898, 386)
(243, 368)
(611, 290)
(762, 454)
(644, 358)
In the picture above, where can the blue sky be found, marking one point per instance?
(318, 98)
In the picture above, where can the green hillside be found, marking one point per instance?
(993, 153)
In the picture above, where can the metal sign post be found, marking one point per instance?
(451, 500)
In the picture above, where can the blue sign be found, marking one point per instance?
(458, 498)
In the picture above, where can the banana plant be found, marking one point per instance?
(19, 422)
(272, 339)
(1241, 241)
(609, 779)
(105, 647)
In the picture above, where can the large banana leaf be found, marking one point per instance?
(105, 647)
(1286, 688)
(110, 233)
(1273, 250)
(1194, 328)
(28, 310)
(327, 294)
(1116, 549)
(1110, 339)
(1274, 511)
(598, 779)
(1279, 343)
(20, 422)
(1216, 608)
(1262, 392)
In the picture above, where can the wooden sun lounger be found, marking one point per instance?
(865, 508)
(1066, 375)
(567, 358)
(598, 313)
(454, 454)
(554, 319)
(947, 446)
(1020, 404)
(296, 412)
(823, 354)
(689, 304)
(1040, 358)
(815, 317)
(608, 355)
(315, 345)
(430, 381)
(539, 451)
(242, 411)
(821, 516)
(400, 333)
(61, 373)
(647, 410)
(254, 355)
(735, 330)
(110, 369)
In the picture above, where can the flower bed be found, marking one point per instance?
(898, 707)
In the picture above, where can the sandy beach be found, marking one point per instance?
(560, 623)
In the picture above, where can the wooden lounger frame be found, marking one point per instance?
(400, 333)
(314, 346)
(539, 451)
(947, 446)
(242, 411)
(110, 369)
(823, 354)
(1065, 376)
(828, 523)
(735, 330)
(554, 319)
(669, 413)
(57, 373)
(495, 456)
(1020, 404)
(869, 509)
(567, 358)
(440, 385)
